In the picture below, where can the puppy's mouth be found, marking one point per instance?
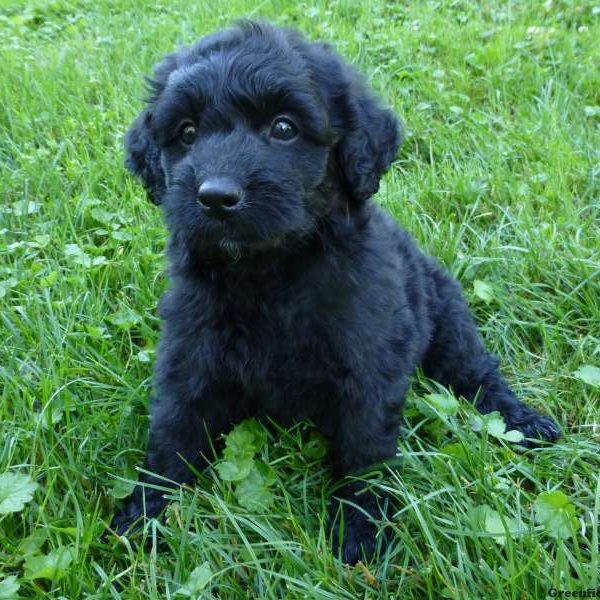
(236, 250)
(234, 244)
(262, 223)
(232, 249)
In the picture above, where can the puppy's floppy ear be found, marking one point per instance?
(368, 134)
(143, 157)
(370, 140)
(369, 143)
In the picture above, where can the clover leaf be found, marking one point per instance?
(495, 426)
(444, 404)
(491, 522)
(483, 290)
(556, 513)
(9, 587)
(52, 566)
(197, 581)
(239, 465)
(253, 492)
(16, 490)
(588, 374)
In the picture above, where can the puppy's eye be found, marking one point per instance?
(283, 129)
(187, 133)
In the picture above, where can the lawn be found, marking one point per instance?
(498, 177)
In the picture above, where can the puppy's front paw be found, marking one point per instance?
(353, 532)
(127, 519)
(130, 517)
(535, 427)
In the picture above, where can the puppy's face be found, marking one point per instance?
(244, 144)
(250, 134)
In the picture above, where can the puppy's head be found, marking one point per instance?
(254, 135)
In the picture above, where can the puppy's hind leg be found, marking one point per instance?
(457, 358)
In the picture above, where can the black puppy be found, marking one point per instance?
(292, 295)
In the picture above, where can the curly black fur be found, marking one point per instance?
(307, 301)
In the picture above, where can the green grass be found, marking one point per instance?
(498, 177)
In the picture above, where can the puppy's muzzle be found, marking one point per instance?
(220, 197)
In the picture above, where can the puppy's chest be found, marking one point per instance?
(257, 336)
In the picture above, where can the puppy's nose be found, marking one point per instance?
(220, 196)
